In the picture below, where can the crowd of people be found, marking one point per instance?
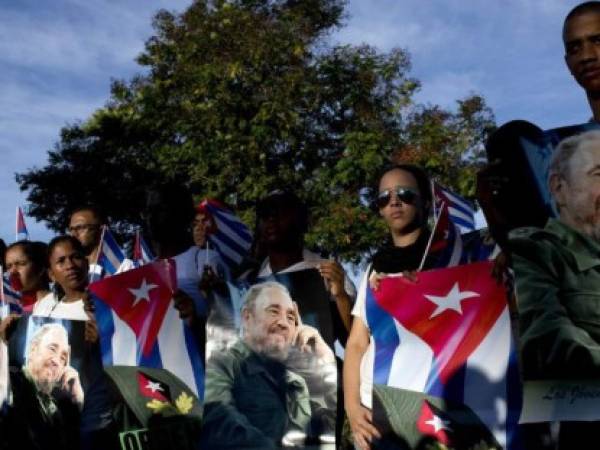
(555, 261)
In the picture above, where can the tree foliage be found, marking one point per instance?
(240, 97)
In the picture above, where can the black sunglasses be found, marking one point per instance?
(405, 195)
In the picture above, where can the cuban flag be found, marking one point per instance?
(21, 233)
(110, 255)
(11, 298)
(142, 254)
(460, 210)
(445, 243)
(447, 335)
(139, 325)
(230, 237)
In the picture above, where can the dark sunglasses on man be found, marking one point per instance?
(404, 194)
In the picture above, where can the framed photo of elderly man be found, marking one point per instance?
(48, 376)
(275, 385)
(557, 277)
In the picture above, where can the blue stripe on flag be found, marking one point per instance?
(462, 223)
(514, 400)
(195, 360)
(104, 320)
(152, 360)
(385, 337)
(233, 245)
(231, 221)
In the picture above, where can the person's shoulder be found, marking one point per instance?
(525, 238)
(42, 306)
(229, 360)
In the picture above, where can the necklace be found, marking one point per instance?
(56, 303)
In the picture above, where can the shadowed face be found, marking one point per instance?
(47, 360)
(68, 267)
(271, 327)
(400, 216)
(581, 36)
(86, 228)
(19, 265)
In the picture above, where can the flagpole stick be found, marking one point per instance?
(430, 240)
(17, 224)
(98, 250)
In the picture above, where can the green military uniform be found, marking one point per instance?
(252, 402)
(557, 271)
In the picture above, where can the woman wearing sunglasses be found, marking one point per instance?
(403, 201)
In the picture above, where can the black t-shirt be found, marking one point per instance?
(391, 259)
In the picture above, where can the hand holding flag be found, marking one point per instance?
(139, 324)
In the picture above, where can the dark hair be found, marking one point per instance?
(60, 240)
(423, 184)
(96, 211)
(285, 200)
(582, 8)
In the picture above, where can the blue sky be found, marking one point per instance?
(57, 59)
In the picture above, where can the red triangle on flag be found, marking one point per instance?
(451, 309)
(151, 388)
(140, 297)
(432, 423)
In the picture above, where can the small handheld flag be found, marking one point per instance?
(110, 254)
(231, 237)
(142, 253)
(21, 232)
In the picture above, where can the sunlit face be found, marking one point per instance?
(46, 361)
(270, 329)
(400, 217)
(20, 266)
(577, 194)
(581, 37)
(86, 228)
(68, 267)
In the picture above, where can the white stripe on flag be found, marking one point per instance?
(412, 348)
(232, 234)
(459, 201)
(113, 258)
(485, 379)
(461, 215)
(173, 349)
(124, 345)
(230, 253)
(456, 250)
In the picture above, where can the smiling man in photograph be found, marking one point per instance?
(253, 398)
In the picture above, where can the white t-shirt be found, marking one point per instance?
(50, 306)
(310, 260)
(367, 362)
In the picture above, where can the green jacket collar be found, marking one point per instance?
(585, 250)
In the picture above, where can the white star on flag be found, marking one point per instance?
(154, 386)
(142, 293)
(451, 300)
(438, 424)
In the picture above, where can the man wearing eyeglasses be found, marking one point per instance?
(85, 225)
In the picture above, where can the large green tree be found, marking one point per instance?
(241, 97)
